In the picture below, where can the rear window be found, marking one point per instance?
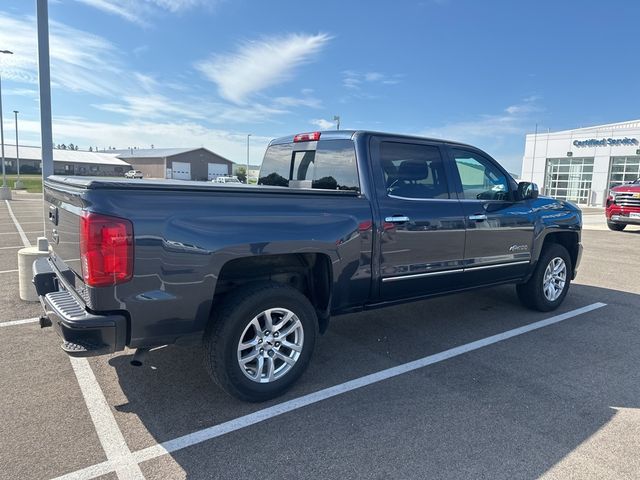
(328, 165)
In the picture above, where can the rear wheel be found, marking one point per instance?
(260, 341)
(550, 281)
(616, 227)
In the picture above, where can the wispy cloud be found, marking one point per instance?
(148, 108)
(138, 11)
(356, 80)
(152, 106)
(142, 134)
(20, 92)
(305, 99)
(258, 65)
(514, 119)
(80, 61)
(501, 133)
(323, 124)
(155, 106)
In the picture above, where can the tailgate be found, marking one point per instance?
(63, 207)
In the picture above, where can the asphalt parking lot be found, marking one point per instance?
(558, 399)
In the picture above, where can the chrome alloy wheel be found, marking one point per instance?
(270, 345)
(555, 279)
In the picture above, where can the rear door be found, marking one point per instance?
(499, 226)
(423, 227)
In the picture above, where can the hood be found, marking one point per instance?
(630, 187)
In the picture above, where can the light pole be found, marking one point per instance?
(5, 191)
(336, 118)
(247, 173)
(46, 141)
(18, 185)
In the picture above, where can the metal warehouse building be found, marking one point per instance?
(177, 163)
(65, 162)
(581, 165)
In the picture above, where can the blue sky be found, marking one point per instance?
(195, 72)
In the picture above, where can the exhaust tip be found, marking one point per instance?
(138, 356)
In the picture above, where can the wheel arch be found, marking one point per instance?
(569, 239)
(311, 273)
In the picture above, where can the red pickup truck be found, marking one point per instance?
(623, 206)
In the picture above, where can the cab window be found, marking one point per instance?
(480, 178)
(413, 171)
(327, 165)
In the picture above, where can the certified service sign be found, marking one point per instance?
(606, 142)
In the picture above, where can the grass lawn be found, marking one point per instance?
(32, 183)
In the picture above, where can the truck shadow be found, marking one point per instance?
(510, 410)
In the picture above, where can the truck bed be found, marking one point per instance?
(184, 233)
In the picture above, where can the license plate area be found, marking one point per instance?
(634, 214)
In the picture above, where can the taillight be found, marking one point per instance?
(106, 249)
(306, 137)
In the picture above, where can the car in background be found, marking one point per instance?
(623, 206)
(226, 179)
(133, 174)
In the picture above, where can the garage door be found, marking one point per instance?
(216, 170)
(182, 171)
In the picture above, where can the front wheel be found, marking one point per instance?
(550, 281)
(260, 341)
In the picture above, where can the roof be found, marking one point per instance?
(158, 152)
(27, 152)
(350, 134)
(597, 129)
(151, 152)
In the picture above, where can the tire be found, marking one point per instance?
(533, 294)
(616, 227)
(243, 316)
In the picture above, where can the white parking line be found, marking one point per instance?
(8, 271)
(8, 248)
(19, 209)
(19, 322)
(24, 238)
(13, 233)
(111, 438)
(297, 403)
(6, 224)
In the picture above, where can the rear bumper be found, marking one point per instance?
(84, 334)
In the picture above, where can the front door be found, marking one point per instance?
(423, 229)
(499, 226)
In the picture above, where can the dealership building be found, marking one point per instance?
(581, 165)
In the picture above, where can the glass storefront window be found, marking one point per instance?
(569, 179)
(624, 170)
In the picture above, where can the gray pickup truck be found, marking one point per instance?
(339, 222)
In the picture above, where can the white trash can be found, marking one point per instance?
(26, 257)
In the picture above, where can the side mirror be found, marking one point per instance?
(527, 191)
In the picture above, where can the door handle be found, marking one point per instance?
(478, 218)
(397, 219)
